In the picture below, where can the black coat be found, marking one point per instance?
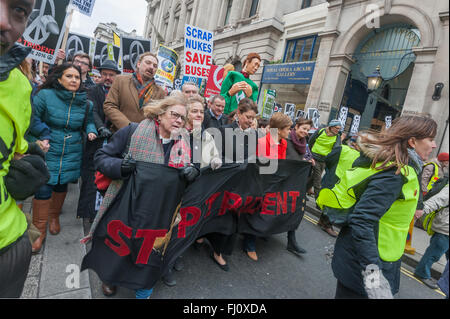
(238, 147)
(211, 122)
(356, 246)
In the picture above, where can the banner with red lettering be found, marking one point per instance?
(45, 29)
(215, 80)
(148, 226)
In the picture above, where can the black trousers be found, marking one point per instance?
(14, 262)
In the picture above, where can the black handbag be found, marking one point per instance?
(84, 135)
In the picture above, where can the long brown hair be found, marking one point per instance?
(393, 142)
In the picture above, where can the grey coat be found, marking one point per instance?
(440, 222)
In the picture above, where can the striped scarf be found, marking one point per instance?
(145, 146)
(145, 90)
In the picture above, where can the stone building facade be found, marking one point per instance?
(343, 39)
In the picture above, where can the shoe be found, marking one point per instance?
(199, 245)
(179, 264)
(330, 231)
(40, 218)
(55, 209)
(169, 280)
(429, 282)
(109, 291)
(223, 267)
(293, 246)
(327, 229)
(253, 256)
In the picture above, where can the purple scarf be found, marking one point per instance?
(299, 145)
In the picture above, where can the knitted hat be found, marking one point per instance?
(335, 123)
(443, 157)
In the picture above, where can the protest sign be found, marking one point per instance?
(167, 67)
(355, 124)
(103, 53)
(215, 80)
(45, 29)
(289, 110)
(388, 121)
(131, 49)
(343, 116)
(84, 6)
(198, 50)
(76, 43)
(268, 103)
(314, 115)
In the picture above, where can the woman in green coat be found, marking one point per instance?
(237, 85)
(62, 105)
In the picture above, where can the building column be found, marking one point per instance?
(316, 98)
(182, 21)
(171, 25)
(236, 11)
(214, 19)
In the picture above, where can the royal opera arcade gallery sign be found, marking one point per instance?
(288, 73)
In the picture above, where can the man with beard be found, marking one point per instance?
(129, 93)
(15, 114)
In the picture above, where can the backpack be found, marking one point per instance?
(102, 181)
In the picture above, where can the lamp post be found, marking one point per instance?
(374, 80)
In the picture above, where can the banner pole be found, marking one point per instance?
(66, 33)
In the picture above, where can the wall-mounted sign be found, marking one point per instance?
(288, 73)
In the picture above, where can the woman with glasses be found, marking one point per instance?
(155, 140)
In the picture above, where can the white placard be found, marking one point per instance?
(198, 50)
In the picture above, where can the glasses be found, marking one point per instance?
(80, 62)
(176, 116)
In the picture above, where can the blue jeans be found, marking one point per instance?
(438, 246)
(249, 243)
(45, 191)
(143, 293)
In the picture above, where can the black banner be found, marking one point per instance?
(132, 48)
(101, 53)
(45, 29)
(76, 43)
(145, 230)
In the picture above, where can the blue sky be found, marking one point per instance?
(128, 14)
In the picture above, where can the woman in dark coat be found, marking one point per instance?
(379, 194)
(62, 105)
(297, 150)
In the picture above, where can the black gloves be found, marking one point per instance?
(103, 132)
(25, 176)
(190, 173)
(35, 149)
(128, 167)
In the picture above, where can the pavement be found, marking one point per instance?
(54, 272)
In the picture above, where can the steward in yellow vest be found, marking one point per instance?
(15, 113)
(375, 208)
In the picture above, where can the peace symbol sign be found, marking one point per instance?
(74, 45)
(104, 54)
(136, 49)
(40, 29)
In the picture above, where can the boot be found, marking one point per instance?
(57, 202)
(40, 217)
(292, 245)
